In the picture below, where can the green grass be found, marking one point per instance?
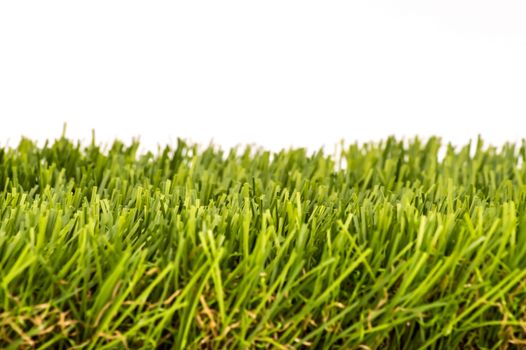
(381, 246)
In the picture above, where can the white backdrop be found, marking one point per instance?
(275, 73)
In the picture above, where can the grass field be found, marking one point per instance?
(382, 246)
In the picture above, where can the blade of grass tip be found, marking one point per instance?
(105, 296)
(283, 292)
(134, 268)
(214, 256)
(141, 299)
(24, 260)
(352, 240)
(189, 313)
(175, 302)
(416, 264)
(319, 299)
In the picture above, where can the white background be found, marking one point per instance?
(275, 73)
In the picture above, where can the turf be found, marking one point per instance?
(388, 245)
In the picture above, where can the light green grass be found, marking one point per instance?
(383, 246)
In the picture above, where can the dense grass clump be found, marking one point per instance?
(382, 246)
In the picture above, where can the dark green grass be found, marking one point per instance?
(383, 246)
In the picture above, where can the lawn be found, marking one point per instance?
(398, 244)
